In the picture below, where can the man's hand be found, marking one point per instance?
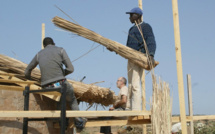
(111, 108)
(151, 58)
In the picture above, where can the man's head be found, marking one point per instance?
(135, 15)
(121, 82)
(48, 41)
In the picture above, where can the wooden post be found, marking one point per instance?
(179, 66)
(43, 34)
(189, 89)
(143, 81)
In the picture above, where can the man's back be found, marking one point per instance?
(51, 60)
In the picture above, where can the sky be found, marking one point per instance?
(20, 38)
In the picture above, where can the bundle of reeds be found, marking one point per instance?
(126, 52)
(161, 108)
(84, 92)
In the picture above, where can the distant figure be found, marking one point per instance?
(120, 105)
(51, 60)
(176, 128)
(135, 41)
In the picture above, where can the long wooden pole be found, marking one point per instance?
(43, 34)
(189, 89)
(179, 66)
(144, 131)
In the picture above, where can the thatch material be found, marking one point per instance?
(126, 52)
(84, 92)
(161, 108)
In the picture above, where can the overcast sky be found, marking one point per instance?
(20, 38)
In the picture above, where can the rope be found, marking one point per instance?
(85, 53)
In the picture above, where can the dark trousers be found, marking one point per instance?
(107, 129)
(71, 99)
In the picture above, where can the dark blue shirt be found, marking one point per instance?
(135, 39)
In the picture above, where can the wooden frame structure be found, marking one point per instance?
(132, 117)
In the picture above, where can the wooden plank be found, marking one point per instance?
(190, 103)
(179, 66)
(69, 113)
(132, 121)
(21, 82)
(110, 123)
(195, 118)
(32, 86)
(204, 117)
(16, 88)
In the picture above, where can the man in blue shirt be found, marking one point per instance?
(135, 41)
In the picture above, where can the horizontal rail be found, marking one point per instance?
(52, 114)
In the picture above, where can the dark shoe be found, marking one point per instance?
(80, 124)
(67, 123)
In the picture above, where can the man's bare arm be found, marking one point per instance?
(121, 102)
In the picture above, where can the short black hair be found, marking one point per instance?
(48, 41)
(124, 80)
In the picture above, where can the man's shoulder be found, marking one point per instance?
(125, 88)
(51, 48)
(56, 47)
(131, 28)
(145, 24)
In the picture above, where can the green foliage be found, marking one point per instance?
(208, 128)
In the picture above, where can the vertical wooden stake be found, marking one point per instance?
(143, 81)
(43, 34)
(140, 4)
(179, 66)
(189, 89)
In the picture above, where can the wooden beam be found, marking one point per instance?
(21, 82)
(140, 4)
(32, 86)
(132, 121)
(99, 123)
(190, 103)
(204, 117)
(69, 113)
(179, 66)
(17, 88)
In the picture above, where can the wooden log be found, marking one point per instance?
(69, 113)
(124, 51)
(84, 92)
(134, 121)
(190, 102)
(43, 34)
(179, 66)
(98, 123)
